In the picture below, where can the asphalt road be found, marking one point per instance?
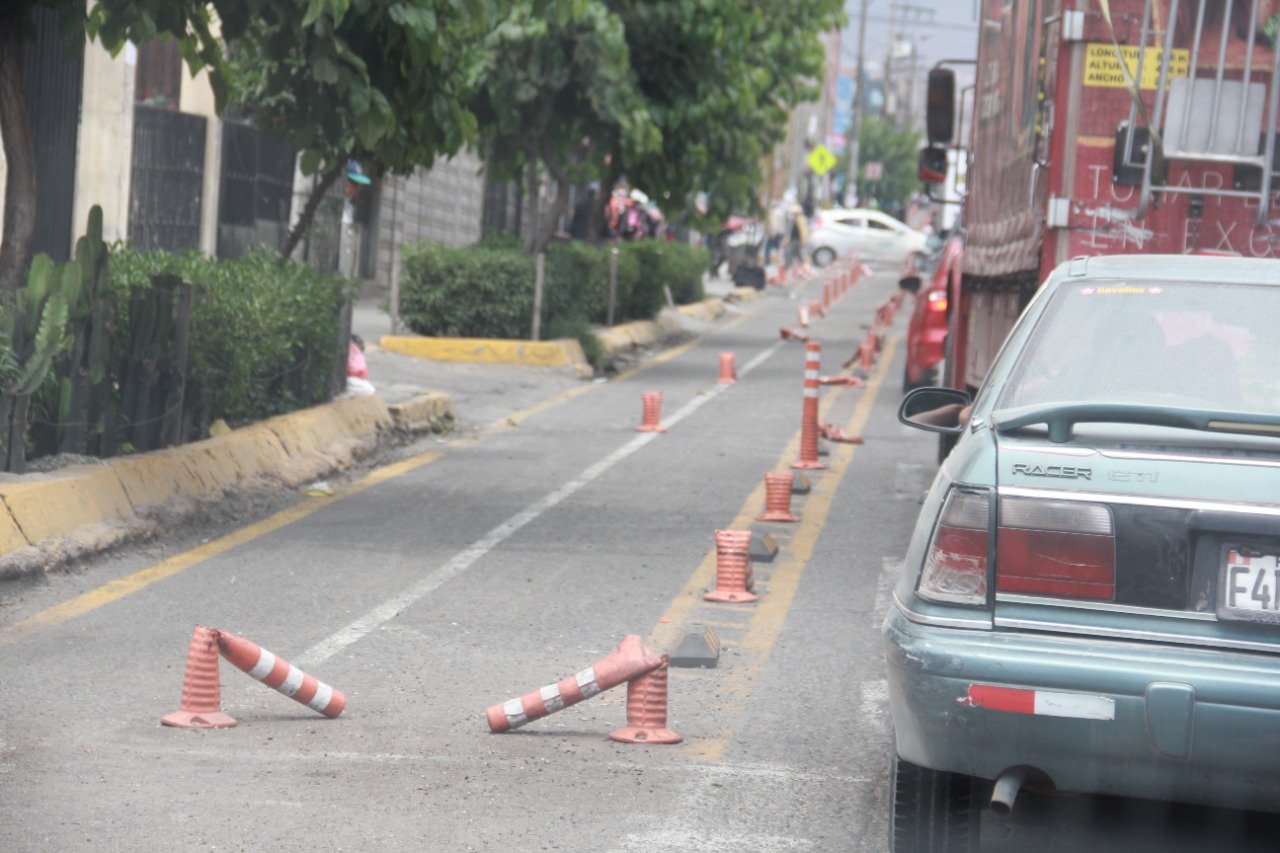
(468, 572)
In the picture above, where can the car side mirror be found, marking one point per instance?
(943, 410)
(932, 165)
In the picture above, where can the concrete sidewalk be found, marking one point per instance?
(483, 393)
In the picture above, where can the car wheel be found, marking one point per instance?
(932, 810)
(823, 255)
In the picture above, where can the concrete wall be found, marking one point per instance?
(442, 205)
(196, 98)
(106, 139)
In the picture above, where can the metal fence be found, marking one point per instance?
(167, 179)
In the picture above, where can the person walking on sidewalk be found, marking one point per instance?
(798, 233)
(776, 228)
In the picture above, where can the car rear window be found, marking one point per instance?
(1212, 346)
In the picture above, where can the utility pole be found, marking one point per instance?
(859, 101)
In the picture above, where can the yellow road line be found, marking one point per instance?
(121, 587)
(770, 612)
(129, 584)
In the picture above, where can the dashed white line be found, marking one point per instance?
(385, 612)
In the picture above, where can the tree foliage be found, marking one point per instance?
(558, 91)
(680, 96)
(896, 150)
(720, 78)
(381, 81)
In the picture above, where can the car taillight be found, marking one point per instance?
(955, 569)
(1065, 549)
(937, 301)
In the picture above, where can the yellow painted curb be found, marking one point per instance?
(50, 506)
(11, 537)
(422, 411)
(290, 449)
(486, 350)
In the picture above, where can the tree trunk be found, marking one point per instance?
(309, 209)
(548, 227)
(20, 186)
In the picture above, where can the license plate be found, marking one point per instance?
(1249, 586)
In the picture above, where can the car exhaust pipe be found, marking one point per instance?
(1006, 790)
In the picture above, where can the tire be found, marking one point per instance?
(933, 810)
(823, 255)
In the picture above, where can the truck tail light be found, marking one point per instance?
(955, 569)
(1064, 549)
(937, 301)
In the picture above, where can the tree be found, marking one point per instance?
(557, 92)
(896, 151)
(720, 78)
(381, 81)
(114, 22)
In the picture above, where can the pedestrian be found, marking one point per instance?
(583, 211)
(776, 231)
(798, 234)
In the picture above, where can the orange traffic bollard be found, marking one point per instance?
(647, 709)
(630, 660)
(728, 373)
(815, 309)
(802, 314)
(201, 690)
(777, 497)
(280, 675)
(651, 402)
(831, 432)
(809, 413)
(849, 381)
(792, 335)
(733, 574)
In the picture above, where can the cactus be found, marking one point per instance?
(83, 374)
(36, 333)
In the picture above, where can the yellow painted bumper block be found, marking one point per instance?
(487, 350)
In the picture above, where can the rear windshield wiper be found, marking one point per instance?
(1061, 417)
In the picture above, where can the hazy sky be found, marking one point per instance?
(942, 29)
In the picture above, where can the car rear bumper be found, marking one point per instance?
(1190, 725)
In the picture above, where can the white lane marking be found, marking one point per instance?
(385, 612)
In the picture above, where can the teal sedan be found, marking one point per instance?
(1091, 598)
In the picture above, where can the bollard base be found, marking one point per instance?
(730, 596)
(803, 465)
(776, 515)
(641, 734)
(198, 720)
(651, 429)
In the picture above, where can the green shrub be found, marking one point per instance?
(678, 266)
(486, 290)
(581, 330)
(467, 293)
(262, 335)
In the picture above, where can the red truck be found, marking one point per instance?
(1134, 126)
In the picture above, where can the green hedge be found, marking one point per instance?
(263, 335)
(487, 292)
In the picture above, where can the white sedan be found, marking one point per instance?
(874, 235)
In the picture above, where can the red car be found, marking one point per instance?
(927, 331)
